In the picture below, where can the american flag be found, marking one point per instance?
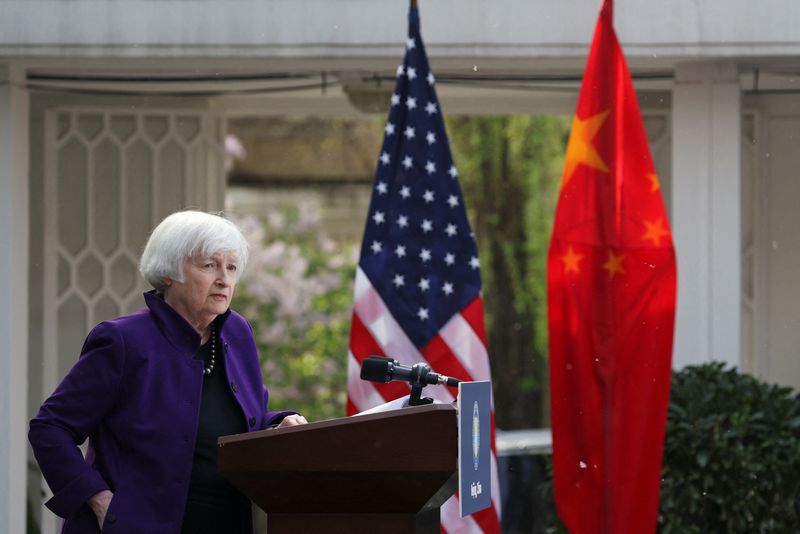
(418, 286)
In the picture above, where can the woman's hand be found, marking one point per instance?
(292, 420)
(99, 504)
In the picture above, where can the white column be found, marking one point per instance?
(14, 291)
(706, 212)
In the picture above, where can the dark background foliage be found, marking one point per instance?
(510, 170)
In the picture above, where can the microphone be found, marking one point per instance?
(380, 369)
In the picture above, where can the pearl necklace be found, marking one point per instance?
(207, 370)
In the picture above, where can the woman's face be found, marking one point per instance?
(207, 288)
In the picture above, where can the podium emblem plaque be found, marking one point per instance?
(474, 446)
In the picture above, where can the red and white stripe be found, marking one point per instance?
(458, 350)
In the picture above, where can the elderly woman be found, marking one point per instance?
(154, 390)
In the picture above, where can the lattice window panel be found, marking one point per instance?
(110, 177)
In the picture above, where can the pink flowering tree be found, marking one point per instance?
(297, 293)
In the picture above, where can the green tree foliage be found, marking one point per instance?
(298, 293)
(510, 170)
(731, 455)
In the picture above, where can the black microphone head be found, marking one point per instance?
(377, 369)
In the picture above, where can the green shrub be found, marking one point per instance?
(731, 455)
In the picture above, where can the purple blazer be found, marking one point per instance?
(135, 393)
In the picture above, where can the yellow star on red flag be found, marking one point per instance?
(655, 231)
(655, 185)
(571, 260)
(580, 148)
(614, 264)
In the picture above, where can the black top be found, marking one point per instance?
(214, 505)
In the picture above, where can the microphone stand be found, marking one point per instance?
(418, 373)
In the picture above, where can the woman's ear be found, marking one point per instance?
(167, 281)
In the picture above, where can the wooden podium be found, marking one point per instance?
(380, 473)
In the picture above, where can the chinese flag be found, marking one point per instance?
(611, 296)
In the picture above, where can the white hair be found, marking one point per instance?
(185, 234)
